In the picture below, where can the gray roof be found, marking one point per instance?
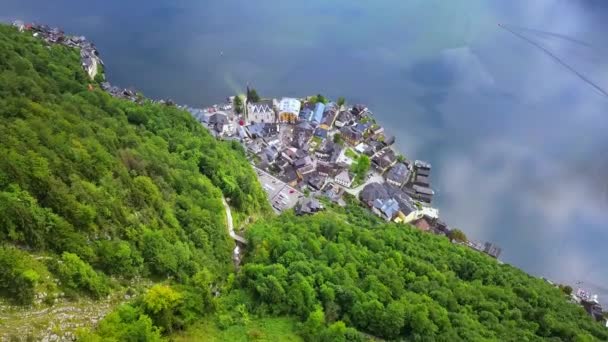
(308, 206)
(422, 180)
(406, 205)
(420, 164)
(218, 118)
(302, 162)
(373, 191)
(423, 172)
(423, 190)
(398, 173)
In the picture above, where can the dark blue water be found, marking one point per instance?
(518, 142)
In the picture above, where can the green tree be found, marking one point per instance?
(338, 139)
(238, 104)
(341, 101)
(320, 99)
(567, 289)
(361, 167)
(127, 323)
(160, 302)
(458, 235)
(252, 95)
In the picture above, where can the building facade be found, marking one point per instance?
(289, 109)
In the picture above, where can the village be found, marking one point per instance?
(311, 148)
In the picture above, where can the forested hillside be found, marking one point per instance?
(96, 193)
(345, 269)
(104, 187)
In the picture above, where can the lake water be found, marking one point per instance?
(518, 141)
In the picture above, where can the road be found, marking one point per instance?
(231, 232)
(376, 178)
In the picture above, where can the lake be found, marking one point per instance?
(513, 122)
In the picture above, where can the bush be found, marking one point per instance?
(17, 281)
(77, 275)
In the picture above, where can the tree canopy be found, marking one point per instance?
(344, 269)
(108, 186)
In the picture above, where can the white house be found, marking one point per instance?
(429, 212)
(262, 111)
(344, 178)
(289, 109)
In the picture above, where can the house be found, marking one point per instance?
(289, 109)
(318, 113)
(398, 174)
(344, 178)
(331, 107)
(317, 181)
(363, 127)
(422, 165)
(359, 110)
(320, 133)
(19, 25)
(593, 307)
(326, 169)
(220, 123)
(423, 223)
(377, 129)
(344, 118)
(406, 205)
(350, 135)
(384, 159)
(334, 193)
(270, 129)
(254, 147)
(423, 194)
(255, 131)
(375, 146)
(271, 153)
(306, 114)
(388, 140)
(289, 176)
(371, 192)
(326, 150)
(492, 250)
(441, 228)
(308, 206)
(304, 166)
(422, 180)
(241, 132)
(328, 117)
(423, 172)
(428, 212)
(362, 148)
(262, 111)
(302, 134)
(282, 163)
(289, 153)
(387, 209)
(301, 153)
(89, 64)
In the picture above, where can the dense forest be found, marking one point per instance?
(344, 269)
(105, 187)
(96, 192)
